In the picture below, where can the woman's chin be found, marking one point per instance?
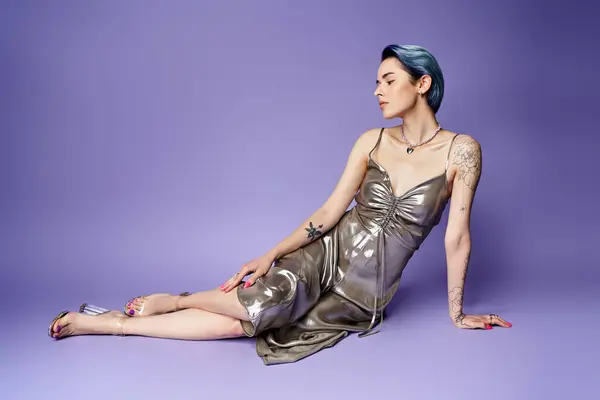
(388, 115)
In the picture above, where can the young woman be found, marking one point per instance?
(338, 271)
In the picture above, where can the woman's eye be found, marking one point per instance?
(390, 82)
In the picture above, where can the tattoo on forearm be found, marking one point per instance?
(456, 295)
(456, 303)
(313, 231)
(467, 158)
(466, 266)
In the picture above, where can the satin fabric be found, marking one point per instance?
(340, 283)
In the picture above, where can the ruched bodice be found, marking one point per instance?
(410, 216)
(396, 226)
(342, 282)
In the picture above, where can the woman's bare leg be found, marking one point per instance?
(216, 301)
(189, 324)
(213, 300)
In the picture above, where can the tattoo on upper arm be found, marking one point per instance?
(313, 231)
(467, 158)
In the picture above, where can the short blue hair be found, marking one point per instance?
(418, 61)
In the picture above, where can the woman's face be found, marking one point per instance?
(395, 93)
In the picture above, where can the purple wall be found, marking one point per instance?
(156, 146)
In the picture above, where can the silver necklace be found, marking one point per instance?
(411, 147)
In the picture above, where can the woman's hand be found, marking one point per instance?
(479, 321)
(260, 266)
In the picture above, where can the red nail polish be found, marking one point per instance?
(509, 324)
(246, 284)
(488, 327)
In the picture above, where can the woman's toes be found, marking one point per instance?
(60, 327)
(157, 303)
(132, 310)
(133, 306)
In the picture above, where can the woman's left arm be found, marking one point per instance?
(466, 160)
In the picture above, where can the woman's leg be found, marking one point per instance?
(213, 300)
(189, 324)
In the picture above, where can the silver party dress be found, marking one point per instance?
(341, 282)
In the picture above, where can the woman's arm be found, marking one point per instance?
(466, 159)
(321, 220)
(332, 210)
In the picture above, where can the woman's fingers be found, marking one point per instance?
(474, 322)
(232, 282)
(483, 323)
(235, 280)
(253, 278)
(501, 322)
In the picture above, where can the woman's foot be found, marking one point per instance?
(72, 324)
(158, 303)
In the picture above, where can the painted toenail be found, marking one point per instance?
(57, 328)
(131, 312)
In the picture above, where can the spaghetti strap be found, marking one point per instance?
(378, 140)
(449, 149)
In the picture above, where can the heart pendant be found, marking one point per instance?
(410, 150)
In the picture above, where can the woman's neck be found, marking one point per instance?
(419, 126)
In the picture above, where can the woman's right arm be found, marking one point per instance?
(321, 220)
(336, 205)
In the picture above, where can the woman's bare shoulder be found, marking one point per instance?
(462, 139)
(466, 157)
(367, 140)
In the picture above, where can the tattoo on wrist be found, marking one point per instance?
(313, 231)
(456, 300)
(459, 319)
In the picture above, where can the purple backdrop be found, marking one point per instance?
(156, 146)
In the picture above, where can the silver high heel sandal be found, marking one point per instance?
(90, 309)
(59, 316)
